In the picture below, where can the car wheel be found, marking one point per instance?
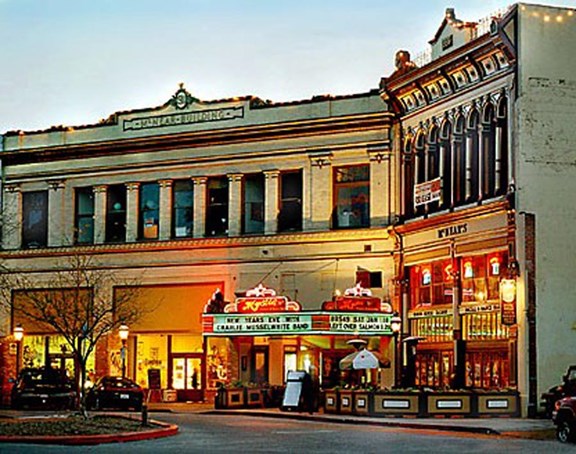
(565, 431)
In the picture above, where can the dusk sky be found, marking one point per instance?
(74, 62)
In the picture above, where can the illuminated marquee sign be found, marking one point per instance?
(350, 323)
(263, 324)
(261, 299)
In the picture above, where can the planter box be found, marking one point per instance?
(449, 404)
(498, 404)
(230, 398)
(345, 401)
(331, 401)
(362, 402)
(254, 397)
(398, 404)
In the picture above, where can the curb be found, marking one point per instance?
(345, 420)
(166, 430)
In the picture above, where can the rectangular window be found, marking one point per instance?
(84, 222)
(253, 208)
(217, 206)
(34, 219)
(149, 211)
(290, 210)
(351, 197)
(116, 213)
(183, 208)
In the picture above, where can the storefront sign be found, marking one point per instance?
(351, 323)
(429, 191)
(353, 303)
(453, 230)
(475, 308)
(430, 313)
(261, 300)
(508, 301)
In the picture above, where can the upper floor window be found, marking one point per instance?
(84, 219)
(183, 208)
(217, 206)
(34, 219)
(351, 196)
(149, 211)
(253, 207)
(290, 210)
(116, 213)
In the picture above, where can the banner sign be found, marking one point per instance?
(261, 300)
(429, 191)
(352, 323)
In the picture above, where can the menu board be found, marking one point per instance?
(293, 389)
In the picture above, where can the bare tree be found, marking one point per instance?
(77, 302)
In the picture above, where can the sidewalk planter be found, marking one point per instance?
(398, 403)
(345, 401)
(230, 398)
(497, 403)
(362, 402)
(449, 403)
(254, 397)
(331, 401)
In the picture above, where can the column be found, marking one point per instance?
(132, 211)
(11, 228)
(165, 209)
(234, 204)
(199, 206)
(318, 194)
(271, 199)
(55, 213)
(379, 186)
(100, 193)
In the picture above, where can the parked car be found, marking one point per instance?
(564, 416)
(43, 388)
(115, 392)
(557, 392)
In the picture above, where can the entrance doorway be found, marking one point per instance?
(186, 376)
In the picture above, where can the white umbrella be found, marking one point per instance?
(363, 359)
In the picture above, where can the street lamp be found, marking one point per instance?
(123, 332)
(18, 334)
(396, 325)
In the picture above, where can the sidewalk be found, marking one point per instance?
(514, 427)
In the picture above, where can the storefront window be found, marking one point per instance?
(488, 369)
(431, 284)
(481, 277)
(152, 353)
(352, 197)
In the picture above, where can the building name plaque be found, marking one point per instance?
(183, 118)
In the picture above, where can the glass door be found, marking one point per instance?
(187, 377)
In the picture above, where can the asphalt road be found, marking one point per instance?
(243, 434)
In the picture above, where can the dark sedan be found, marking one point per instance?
(42, 388)
(115, 392)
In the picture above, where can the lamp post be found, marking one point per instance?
(396, 325)
(123, 332)
(18, 336)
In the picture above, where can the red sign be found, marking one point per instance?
(353, 304)
(262, 300)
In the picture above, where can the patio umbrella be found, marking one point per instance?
(363, 359)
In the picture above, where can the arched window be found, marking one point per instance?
(488, 153)
(501, 146)
(420, 168)
(432, 154)
(408, 177)
(459, 161)
(472, 157)
(445, 163)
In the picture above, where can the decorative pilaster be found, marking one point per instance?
(317, 208)
(100, 193)
(380, 185)
(271, 198)
(235, 204)
(132, 211)
(12, 217)
(55, 213)
(199, 206)
(165, 209)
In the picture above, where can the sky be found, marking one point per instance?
(74, 62)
